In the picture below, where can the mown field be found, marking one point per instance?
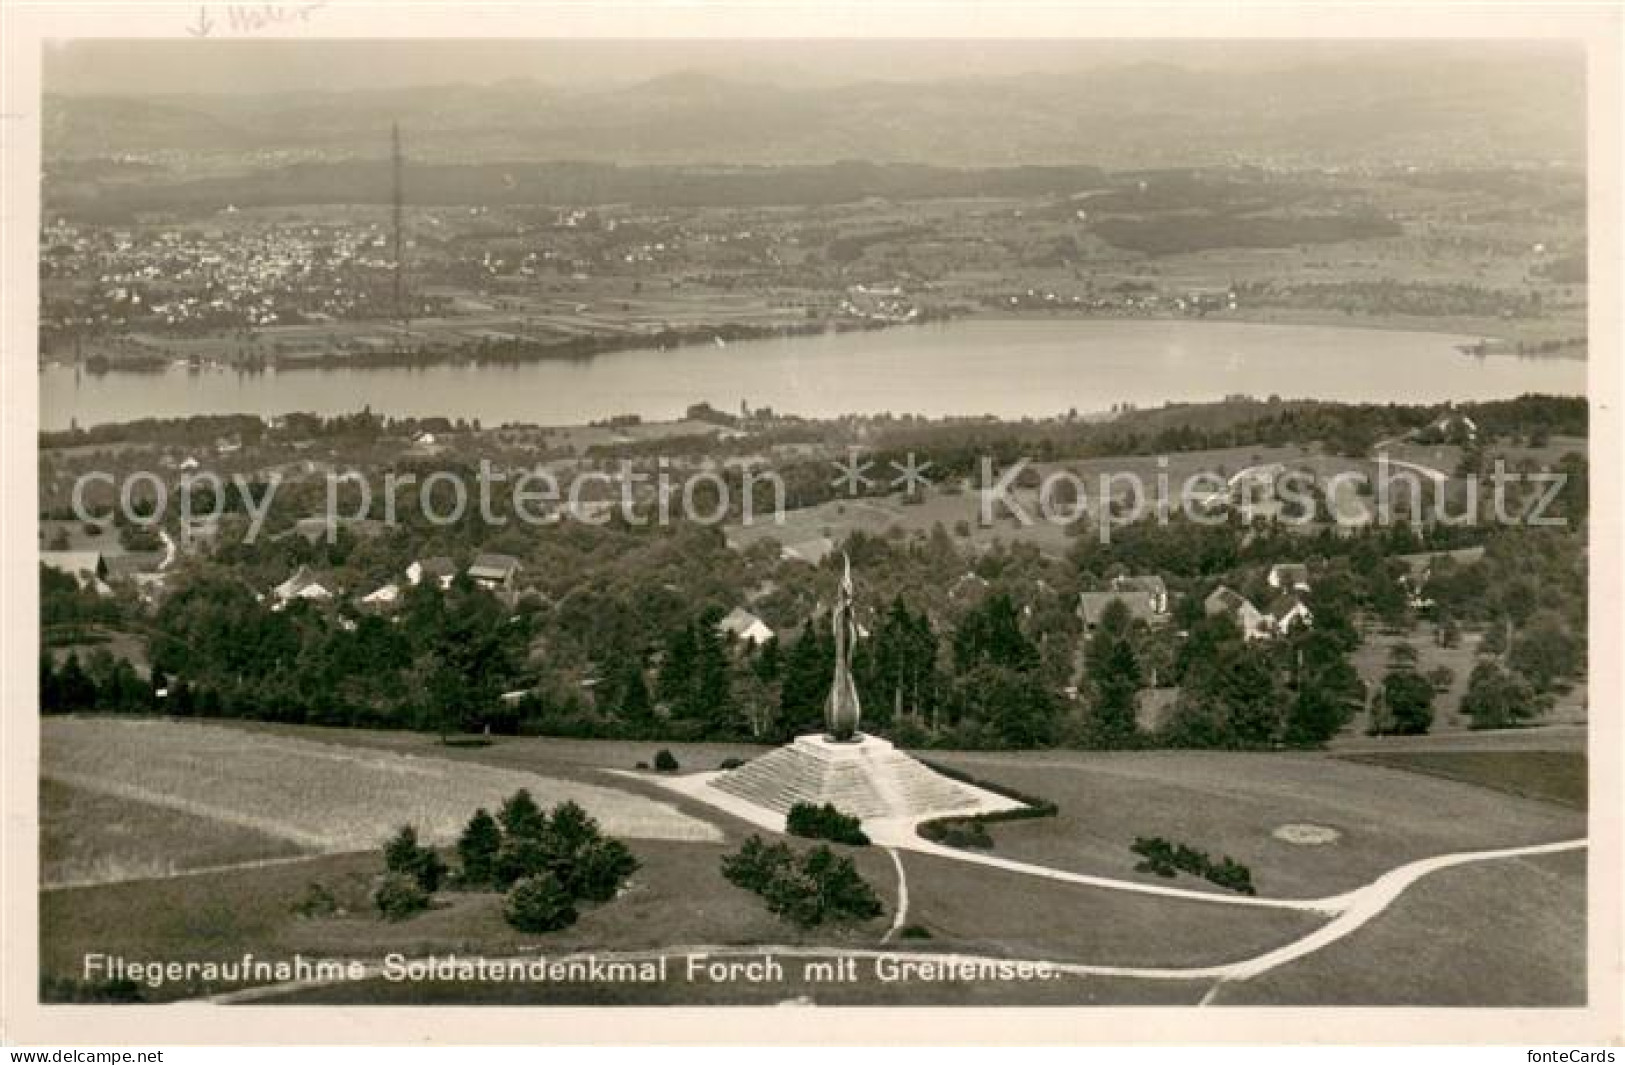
(92, 837)
(1557, 777)
(1227, 803)
(326, 797)
(1510, 933)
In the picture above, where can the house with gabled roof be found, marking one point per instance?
(741, 624)
(1092, 606)
(302, 585)
(1153, 587)
(494, 572)
(1248, 618)
(1288, 612)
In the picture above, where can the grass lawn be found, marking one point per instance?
(324, 796)
(89, 837)
(1506, 933)
(1228, 803)
(678, 896)
(1551, 776)
(979, 909)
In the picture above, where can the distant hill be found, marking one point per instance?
(1461, 112)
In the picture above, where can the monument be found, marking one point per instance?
(857, 773)
(841, 709)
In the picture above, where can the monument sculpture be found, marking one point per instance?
(860, 774)
(841, 709)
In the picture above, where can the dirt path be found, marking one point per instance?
(1355, 909)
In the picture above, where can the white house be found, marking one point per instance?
(384, 597)
(302, 585)
(1289, 612)
(1249, 619)
(741, 624)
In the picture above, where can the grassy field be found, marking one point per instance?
(321, 796)
(677, 896)
(1223, 803)
(1552, 776)
(90, 837)
(1506, 933)
(1232, 803)
(983, 910)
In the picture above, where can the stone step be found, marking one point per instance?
(870, 779)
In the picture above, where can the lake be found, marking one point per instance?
(1008, 368)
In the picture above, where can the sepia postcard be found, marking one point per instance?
(783, 524)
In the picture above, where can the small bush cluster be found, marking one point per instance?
(316, 902)
(963, 832)
(539, 904)
(1167, 859)
(412, 874)
(665, 761)
(730, 763)
(825, 822)
(405, 855)
(806, 889)
(398, 897)
(545, 862)
(970, 832)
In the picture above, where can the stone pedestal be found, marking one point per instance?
(867, 776)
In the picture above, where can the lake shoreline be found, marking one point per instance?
(588, 348)
(970, 367)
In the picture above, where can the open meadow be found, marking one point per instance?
(323, 797)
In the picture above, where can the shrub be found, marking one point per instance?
(756, 864)
(403, 854)
(539, 904)
(819, 886)
(521, 818)
(599, 870)
(825, 822)
(399, 896)
(731, 763)
(962, 832)
(317, 901)
(1167, 859)
(665, 761)
(913, 931)
(518, 859)
(477, 849)
(946, 830)
(641, 765)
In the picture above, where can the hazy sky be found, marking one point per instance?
(180, 66)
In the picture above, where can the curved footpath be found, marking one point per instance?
(1353, 910)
